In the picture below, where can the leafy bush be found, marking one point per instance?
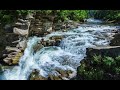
(100, 68)
(7, 16)
(108, 14)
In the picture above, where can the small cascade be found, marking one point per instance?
(66, 56)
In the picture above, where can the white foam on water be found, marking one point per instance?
(92, 20)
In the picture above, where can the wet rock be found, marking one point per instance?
(71, 24)
(12, 55)
(51, 43)
(41, 27)
(116, 40)
(50, 77)
(22, 44)
(16, 59)
(13, 58)
(37, 47)
(49, 29)
(57, 43)
(53, 77)
(7, 61)
(59, 26)
(112, 51)
(56, 40)
(56, 37)
(35, 76)
(115, 31)
(63, 73)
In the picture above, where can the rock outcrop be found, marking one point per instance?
(116, 40)
(16, 40)
(43, 25)
(63, 75)
(12, 55)
(40, 27)
(112, 51)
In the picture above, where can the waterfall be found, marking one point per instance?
(66, 56)
(91, 13)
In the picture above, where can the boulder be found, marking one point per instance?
(56, 37)
(29, 16)
(8, 60)
(116, 40)
(35, 75)
(22, 44)
(23, 26)
(37, 47)
(63, 75)
(49, 29)
(20, 31)
(13, 58)
(53, 77)
(47, 26)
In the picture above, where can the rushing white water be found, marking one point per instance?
(67, 56)
(92, 20)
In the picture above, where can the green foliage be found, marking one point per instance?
(108, 14)
(100, 68)
(76, 15)
(7, 16)
(97, 59)
(108, 61)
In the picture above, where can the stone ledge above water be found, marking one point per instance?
(112, 51)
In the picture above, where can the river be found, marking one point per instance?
(66, 56)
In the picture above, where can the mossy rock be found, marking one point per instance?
(16, 59)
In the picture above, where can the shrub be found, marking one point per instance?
(101, 68)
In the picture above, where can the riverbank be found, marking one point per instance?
(47, 49)
(57, 61)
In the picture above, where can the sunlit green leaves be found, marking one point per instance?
(108, 61)
(102, 68)
(77, 15)
(108, 14)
